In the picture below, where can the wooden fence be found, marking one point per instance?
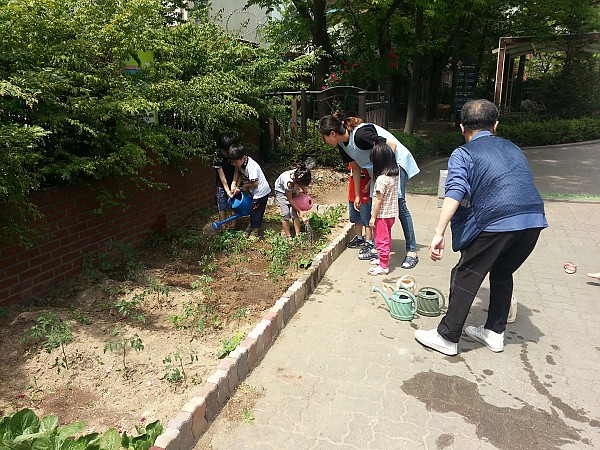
(307, 107)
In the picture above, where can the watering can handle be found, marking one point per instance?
(389, 286)
(439, 295)
(413, 298)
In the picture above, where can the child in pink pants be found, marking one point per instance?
(385, 203)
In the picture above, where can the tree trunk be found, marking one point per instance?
(415, 79)
(321, 39)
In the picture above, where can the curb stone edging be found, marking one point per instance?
(187, 427)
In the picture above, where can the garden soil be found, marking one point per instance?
(107, 385)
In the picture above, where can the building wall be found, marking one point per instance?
(73, 230)
(234, 15)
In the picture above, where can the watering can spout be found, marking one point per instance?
(385, 297)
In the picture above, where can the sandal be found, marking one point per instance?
(378, 270)
(374, 262)
(410, 262)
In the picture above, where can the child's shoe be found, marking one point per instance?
(368, 255)
(378, 270)
(366, 246)
(356, 242)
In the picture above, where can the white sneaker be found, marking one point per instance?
(493, 341)
(432, 339)
(512, 312)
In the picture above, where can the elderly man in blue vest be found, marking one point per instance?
(496, 215)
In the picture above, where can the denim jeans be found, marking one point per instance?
(404, 216)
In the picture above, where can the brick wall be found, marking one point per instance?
(73, 230)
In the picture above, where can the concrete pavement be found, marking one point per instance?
(344, 374)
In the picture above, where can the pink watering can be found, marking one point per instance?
(241, 203)
(304, 202)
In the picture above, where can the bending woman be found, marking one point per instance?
(355, 140)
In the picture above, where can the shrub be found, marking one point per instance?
(26, 431)
(70, 114)
(555, 131)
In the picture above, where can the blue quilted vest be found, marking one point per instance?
(501, 186)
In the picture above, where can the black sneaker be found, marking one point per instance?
(366, 247)
(355, 242)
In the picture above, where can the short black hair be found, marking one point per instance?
(236, 151)
(302, 175)
(479, 114)
(226, 140)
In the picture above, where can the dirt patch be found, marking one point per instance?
(195, 300)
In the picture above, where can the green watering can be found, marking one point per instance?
(430, 302)
(402, 303)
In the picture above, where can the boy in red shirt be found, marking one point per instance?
(361, 218)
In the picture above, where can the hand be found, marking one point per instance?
(436, 248)
(372, 222)
(357, 203)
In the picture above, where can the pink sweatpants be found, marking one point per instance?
(382, 233)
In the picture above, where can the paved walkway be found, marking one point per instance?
(344, 374)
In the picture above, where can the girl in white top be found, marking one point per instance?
(287, 186)
(385, 203)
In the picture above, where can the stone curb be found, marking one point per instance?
(185, 429)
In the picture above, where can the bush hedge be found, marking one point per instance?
(527, 134)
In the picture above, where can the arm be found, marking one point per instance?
(290, 197)
(356, 178)
(224, 181)
(377, 199)
(234, 185)
(436, 248)
(250, 185)
(392, 145)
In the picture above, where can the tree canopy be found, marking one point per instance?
(69, 113)
(404, 46)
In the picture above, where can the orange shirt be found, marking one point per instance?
(365, 186)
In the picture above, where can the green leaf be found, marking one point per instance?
(110, 440)
(69, 430)
(24, 422)
(49, 424)
(45, 442)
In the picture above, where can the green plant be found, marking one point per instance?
(77, 315)
(173, 367)
(94, 266)
(157, 288)
(24, 430)
(121, 343)
(174, 371)
(52, 332)
(322, 224)
(180, 321)
(281, 251)
(230, 345)
(202, 282)
(248, 415)
(241, 312)
(126, 259)
(131, 309)
(196, 317)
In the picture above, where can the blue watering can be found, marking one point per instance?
(241, 203)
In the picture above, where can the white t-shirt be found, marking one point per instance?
(252, 172)
(285, 183)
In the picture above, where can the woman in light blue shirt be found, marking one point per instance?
(355, 140)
